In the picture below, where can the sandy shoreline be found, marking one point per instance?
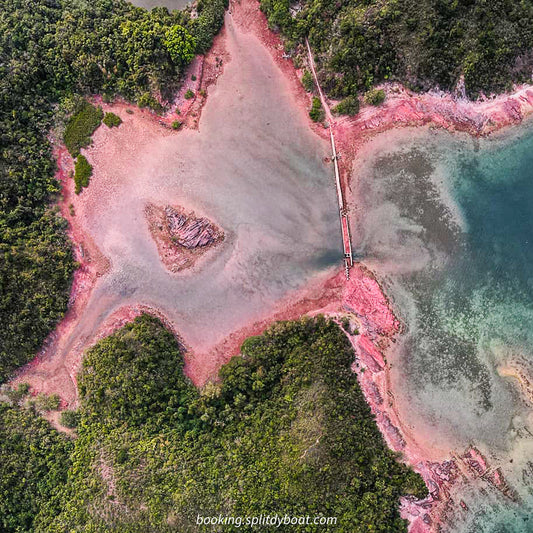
(361, 298)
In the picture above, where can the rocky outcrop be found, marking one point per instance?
(182, 238)
(188, 231)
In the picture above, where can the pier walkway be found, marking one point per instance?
(343, 213)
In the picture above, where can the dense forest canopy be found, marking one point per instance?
(286, 430)
(50, 52)
(422, 43)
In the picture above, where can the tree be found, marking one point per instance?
(180, 44)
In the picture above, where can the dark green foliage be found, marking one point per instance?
(421, 43)
(35, 276)
(176, 125)
(69, 419)
(375, 97)
(145, 368)
(81, 126)
(316, 112)
(308, 81)
(287, 430)
(50, 51)
(34, 461)
(188, 94)
(111, 120)
(348, 106)
(82, 173)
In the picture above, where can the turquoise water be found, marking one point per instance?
(447, 222)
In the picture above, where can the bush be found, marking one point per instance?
(82, 173)
(308, 81)
(349, 106)
(189, 94)
(375, 97)
(43, 402)
(316, 113)
(69, 419)
(176, 125)
(81, 126)
(111, 120)
(16, 395)
(147, 100)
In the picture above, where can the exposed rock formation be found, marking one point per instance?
(181, 237)
(188, 231)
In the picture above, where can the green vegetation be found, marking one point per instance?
(44, 402)
(375, 97)
(50, 53)
(423, 44)
(287, 430)
(188, 94)
(348, 106)
(143, 363)
(82, 173)
(69, 419)
(176, 124)
(308, 81)
(111, 120)
(316, 112)
(81, 126)
(180, 44)
(34, 462)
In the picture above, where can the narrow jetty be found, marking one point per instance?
(343, 212)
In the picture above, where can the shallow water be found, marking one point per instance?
(254, 168)
(447, 222)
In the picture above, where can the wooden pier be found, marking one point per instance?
(343, 213)
(345, 223)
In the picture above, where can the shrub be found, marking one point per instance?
(348, 106)
(375, 96)
(43, 402)
(176, 125)
(81, 126)
(69, 419)
(193, 77)
(316, 113)
(16, 395)
(189, 94)
(111, 120)
(308, 81)
(147, 100)
(82, 172)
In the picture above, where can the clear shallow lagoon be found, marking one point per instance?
(254, 167)
(447, 222)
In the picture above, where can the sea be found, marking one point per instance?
(446, 222)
